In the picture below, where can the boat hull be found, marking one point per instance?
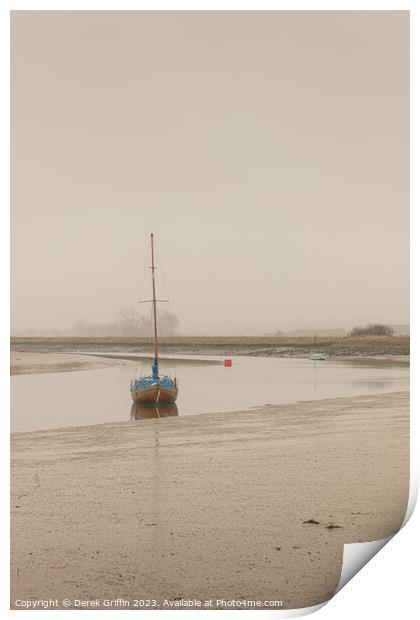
(154, 394)
(317, 357)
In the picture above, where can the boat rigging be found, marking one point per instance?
(156, 387)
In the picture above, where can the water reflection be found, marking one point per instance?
(315, 363)
(141, 411)
(373, 362)
(373, 385)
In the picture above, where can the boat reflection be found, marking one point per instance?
(142, 411)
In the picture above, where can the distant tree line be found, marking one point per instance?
(128, 323)
(372, 329)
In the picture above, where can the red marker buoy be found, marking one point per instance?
(228, 362)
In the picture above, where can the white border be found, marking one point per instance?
(386, 586)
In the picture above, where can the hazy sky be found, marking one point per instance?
(267, 151)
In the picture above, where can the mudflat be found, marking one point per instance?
(61, 354)
(249, 505)
(31, 362)
(34, 362)
(391, 347)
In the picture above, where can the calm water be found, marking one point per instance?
(94, 396)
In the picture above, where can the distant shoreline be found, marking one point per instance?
(395, 349)
(44, 357)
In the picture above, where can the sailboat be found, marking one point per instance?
(156, 387)
(317, 355)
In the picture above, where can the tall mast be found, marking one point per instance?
(155, 338)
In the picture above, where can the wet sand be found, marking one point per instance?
(26, 362)
(209, 506)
